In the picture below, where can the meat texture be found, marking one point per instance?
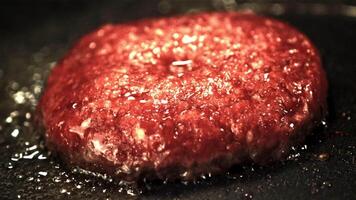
(182, 96)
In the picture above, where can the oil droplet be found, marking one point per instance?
(19, 97)
(15, 133)
(78, 186)
(31, 156)
(62, 191)
(9, 165)
(9, 120)
(43, 173)
(56, 179)
(323, 156)
(131, 192)
(41, 157)
(29, 179)
(248, 196)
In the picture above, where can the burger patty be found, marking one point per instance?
(182, 96)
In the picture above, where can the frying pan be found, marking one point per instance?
(34, 36)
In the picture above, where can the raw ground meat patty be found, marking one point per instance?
(181, 96)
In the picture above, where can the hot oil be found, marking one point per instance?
(34, 169)
(36, 173)
(29, 164)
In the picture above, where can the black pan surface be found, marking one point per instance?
(33, 38)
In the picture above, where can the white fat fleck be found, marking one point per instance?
(107, 104)
(156, 101)
(98, 146)
(79, 130)
(265, 76)
(188, 39)
(257, 64)
(156, 50)
(140, 133)
(164, 101)
(60, 123)
(130, 98)
(182, 62)
(125, 169)
(86, 123)
(143, 101)
(161, 147)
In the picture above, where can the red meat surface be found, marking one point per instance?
(182, 96)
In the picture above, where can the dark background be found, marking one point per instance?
(35, 34)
